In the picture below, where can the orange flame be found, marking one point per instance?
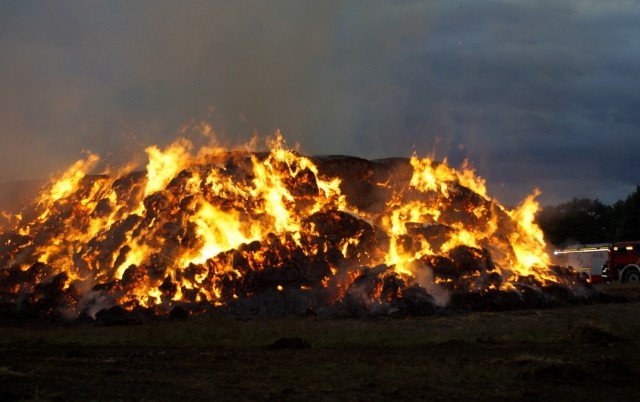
(195, 223)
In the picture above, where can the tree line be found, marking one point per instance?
(585, 221)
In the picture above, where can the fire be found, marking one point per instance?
(164, 165)
(69, 181)
(221, 225)
(528, 241)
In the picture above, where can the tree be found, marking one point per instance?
(581, 221)
(626, 218)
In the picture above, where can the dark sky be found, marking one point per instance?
(535, 94)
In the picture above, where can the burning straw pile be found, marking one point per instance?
(273, 233)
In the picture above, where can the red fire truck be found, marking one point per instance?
(605, 262)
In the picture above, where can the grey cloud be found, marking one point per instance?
(533, 93)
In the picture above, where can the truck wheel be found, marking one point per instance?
(632, 276)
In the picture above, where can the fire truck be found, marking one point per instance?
(604, 262)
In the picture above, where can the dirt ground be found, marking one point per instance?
(575, 352)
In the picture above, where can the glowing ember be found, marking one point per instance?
(221, 227)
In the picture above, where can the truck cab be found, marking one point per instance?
(623, 264)
(604, 262)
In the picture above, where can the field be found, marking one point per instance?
(574, 352)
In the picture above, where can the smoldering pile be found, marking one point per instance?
(334, 262)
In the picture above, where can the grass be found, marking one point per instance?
(519, 326)
(224, 331)
(477, 356)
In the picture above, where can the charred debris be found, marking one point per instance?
(334, 265)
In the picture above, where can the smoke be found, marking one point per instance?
(90, 301)
(423, 275)
(527, 89)
(77, 83)
(15, 195)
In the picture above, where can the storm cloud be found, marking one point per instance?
(535, 94)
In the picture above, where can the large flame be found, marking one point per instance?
(223, 224)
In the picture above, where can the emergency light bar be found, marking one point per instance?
(586, 248)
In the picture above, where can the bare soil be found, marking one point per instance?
(573, 352)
